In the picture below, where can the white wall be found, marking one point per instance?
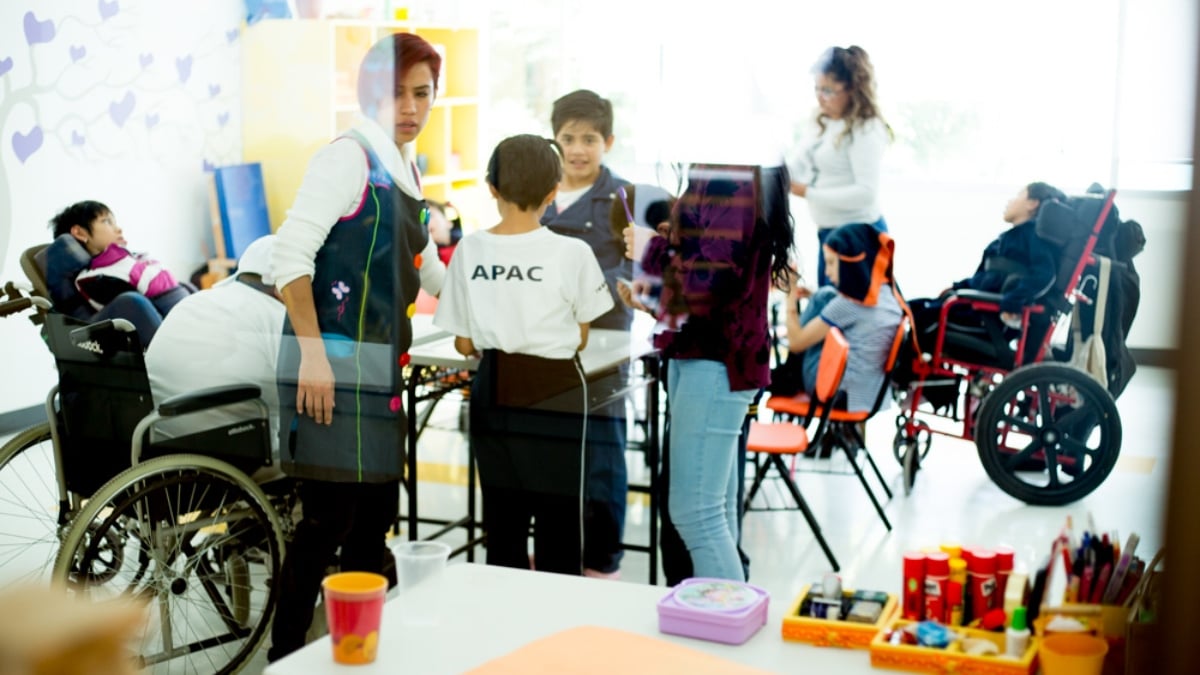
(131, 99)
(149, 169)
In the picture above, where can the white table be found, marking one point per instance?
(487, 612)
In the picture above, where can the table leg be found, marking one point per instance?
(410, 459)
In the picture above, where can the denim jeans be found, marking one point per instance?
(706, 421)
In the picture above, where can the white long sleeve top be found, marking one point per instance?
(332, 188)
(842, 173)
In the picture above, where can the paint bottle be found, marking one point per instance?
(981, 581)
(954, 591)
(937, 578)
(1016, 637)
(913, 599)
(1004, 566)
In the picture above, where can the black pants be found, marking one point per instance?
(556, 540)
(527, 433)
(353, 516)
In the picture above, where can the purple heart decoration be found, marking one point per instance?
(6, 65)
(213, 90)
(232, 34)
(78, 53)
(38, 31)
(183, 64)
(27, 144)
(151, 120)
(144, 60)
(121, 110)
(223, 118)
(108, 9)
(208, 166)
(76, 138)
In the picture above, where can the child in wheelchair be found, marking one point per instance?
(1018, 265)
(89, 268)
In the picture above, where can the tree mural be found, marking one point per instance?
(101, 80)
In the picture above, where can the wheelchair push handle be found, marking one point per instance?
(19, 300)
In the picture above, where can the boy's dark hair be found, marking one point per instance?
(583, 105)
(387, 62)
(524, 169)
(79, 213)
(1044, 192)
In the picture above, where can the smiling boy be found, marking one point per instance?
(582, 122)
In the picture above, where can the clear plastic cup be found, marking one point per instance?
(419, 563)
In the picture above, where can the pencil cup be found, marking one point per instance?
(354, 609)
(1072, 654)
(419, 563)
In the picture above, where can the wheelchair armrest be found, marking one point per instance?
(978, 296)
(208, 398)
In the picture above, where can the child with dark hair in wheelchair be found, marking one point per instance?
(1018, 265)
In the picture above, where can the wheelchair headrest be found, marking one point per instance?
(1067, 224)
(65, 259)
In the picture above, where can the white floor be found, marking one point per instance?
(953, 501)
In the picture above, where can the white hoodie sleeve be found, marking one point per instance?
(332, 188)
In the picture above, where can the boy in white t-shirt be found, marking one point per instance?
(521, 297)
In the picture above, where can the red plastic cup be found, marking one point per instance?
(354, 609)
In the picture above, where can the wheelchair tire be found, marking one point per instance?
(911, 463)
(29, 507)
(1056, 420)
(200, 542)
(923, 439)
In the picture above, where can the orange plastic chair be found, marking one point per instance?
(770, 441)
(843, 429)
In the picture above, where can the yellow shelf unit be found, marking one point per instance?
(299, 89)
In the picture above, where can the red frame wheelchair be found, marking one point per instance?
(1047, 432)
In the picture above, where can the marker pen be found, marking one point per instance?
(1101, 584)
(1121, 570)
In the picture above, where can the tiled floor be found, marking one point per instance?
(953, 500)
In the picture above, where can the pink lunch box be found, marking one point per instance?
(718, 610)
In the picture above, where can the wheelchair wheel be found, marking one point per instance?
(199, 542)
(29, 507)
(1048, 434)
(923, 439)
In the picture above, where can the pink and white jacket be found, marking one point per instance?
(116, 270)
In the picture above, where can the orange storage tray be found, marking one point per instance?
(914, 659)
(826, 633)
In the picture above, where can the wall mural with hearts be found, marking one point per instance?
(126, 101)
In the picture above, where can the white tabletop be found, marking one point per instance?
(424, 331)
(605, 349)
(487, 612)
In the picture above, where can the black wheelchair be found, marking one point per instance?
(1047, 431)
(94, 500)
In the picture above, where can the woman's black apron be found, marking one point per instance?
(364, 288)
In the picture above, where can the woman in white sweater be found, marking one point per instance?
(838, 170)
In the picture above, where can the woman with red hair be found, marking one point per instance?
(349, 261)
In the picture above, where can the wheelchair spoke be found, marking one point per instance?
(29, 508)
(1012, 462)
(1020, 424)
(213, 603)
